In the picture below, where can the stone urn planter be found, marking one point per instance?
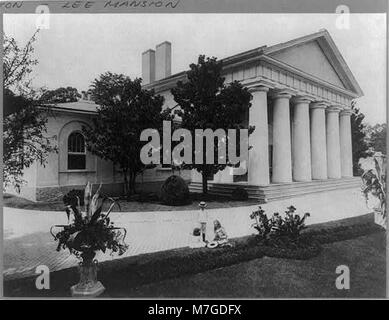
(90, 231)
(88, 286)
(379, 218)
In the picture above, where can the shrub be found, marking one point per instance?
(293, 224)
(239, 194)
(72, 198)
(374, 181)
(284, 229)
(175, 191)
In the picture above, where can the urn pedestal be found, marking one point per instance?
(88, 286)
(379, 218)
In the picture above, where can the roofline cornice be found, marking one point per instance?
(169, 83)
(67, 110)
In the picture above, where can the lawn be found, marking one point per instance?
(149, 203)
(284, 278)
(246, 270)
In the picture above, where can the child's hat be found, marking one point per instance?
(202, 204)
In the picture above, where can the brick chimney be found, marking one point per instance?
(163, 60)
(148, 66)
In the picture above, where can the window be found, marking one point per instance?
(76, 151)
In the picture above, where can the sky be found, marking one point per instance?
(77, 48)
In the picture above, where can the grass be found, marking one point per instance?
(123, 276)
(149, 203)
(270, 277)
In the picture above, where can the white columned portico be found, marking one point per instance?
(318, 141)
(282, 158)
(346, 152)
(301, 144)
(258, 168)
(333, 144)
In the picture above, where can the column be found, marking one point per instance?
(346, 153)
(282, 157)
(301, 144)
(318, 141)
(258, 168)
(333, 143)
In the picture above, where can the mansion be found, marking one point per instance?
(302, 92)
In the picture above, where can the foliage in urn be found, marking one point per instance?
(90, 230)
(73, 197)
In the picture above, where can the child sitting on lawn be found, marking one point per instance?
(220, 234)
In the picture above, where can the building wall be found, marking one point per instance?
(51, 181)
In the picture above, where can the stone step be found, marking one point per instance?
(279, 191)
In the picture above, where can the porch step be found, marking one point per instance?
(277, 191)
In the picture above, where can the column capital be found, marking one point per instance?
(319, 105)
(346, 112)
(260, 88)
(302, 99)
(282, 93)
(334, 108)
(261, 85)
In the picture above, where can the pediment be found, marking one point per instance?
(318, 56)
(310, 58)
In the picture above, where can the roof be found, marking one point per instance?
(264, 52)
(83, 106)
(322, 37)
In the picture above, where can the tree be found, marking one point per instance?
(377, 137)
(125, 110)
(359, 142)
(61, 95)
(24, 125)
(206, 102)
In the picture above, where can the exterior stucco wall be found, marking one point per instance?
(52, 180)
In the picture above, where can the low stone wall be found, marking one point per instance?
(56, 193)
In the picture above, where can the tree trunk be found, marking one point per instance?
(205, 182)
(125, 183)
(132, 183)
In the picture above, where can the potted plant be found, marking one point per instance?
(86, 233)
(374, 185)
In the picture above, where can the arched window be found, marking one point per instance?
(76, 151)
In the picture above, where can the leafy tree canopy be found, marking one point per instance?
(24, 125)
(125, 110)
(377, 137)
(60, 95)
(359, 142)
(206, 102)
